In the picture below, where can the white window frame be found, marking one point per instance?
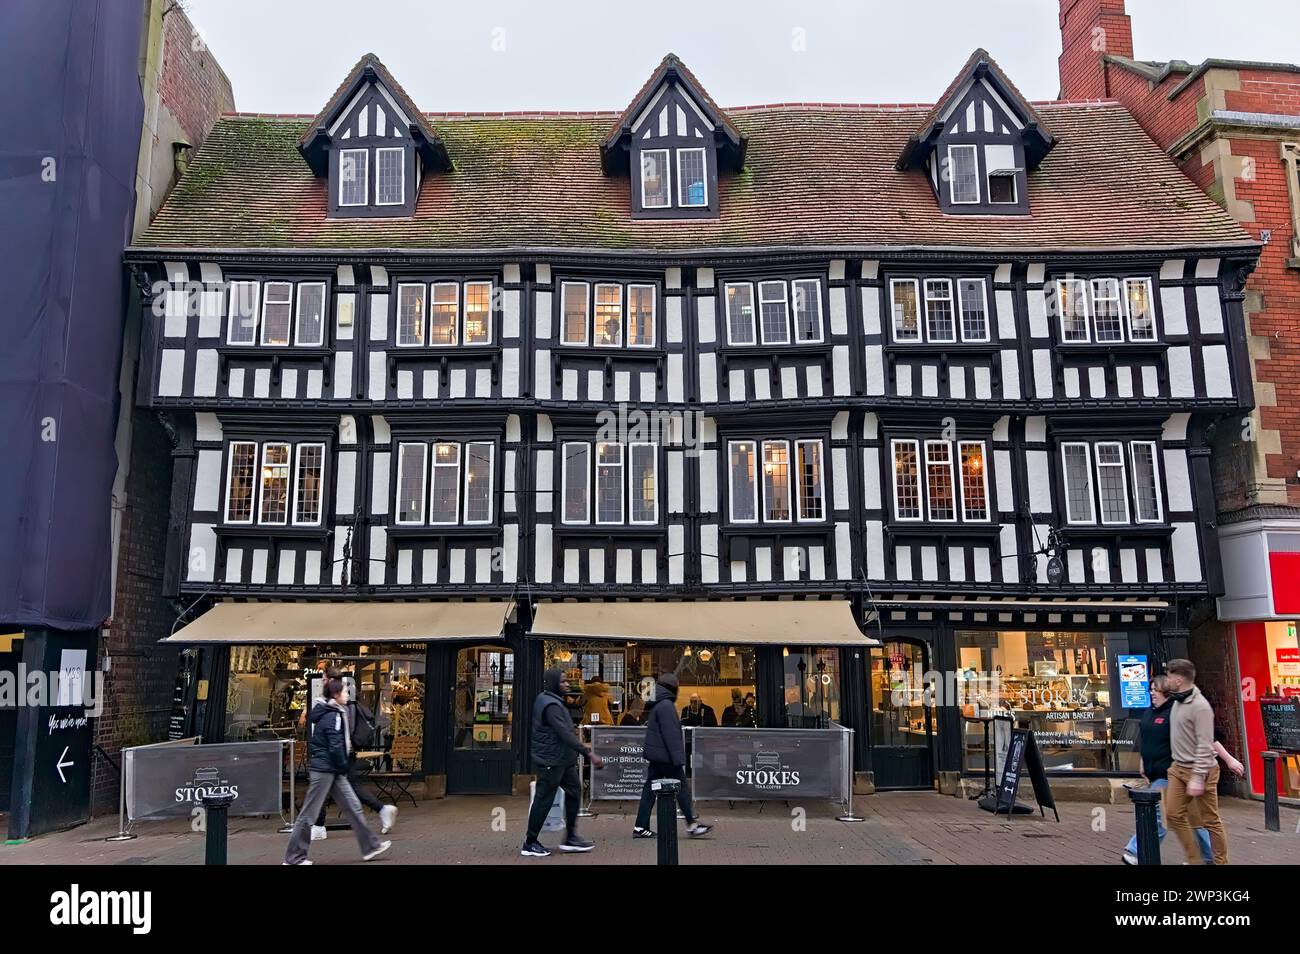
(1070, 518)
(984, 299)
(621, 483)
(266, 294)
(816, 298)
(231, 297)
(952, 482)
(952, 174)
(789, 476)
(920, 482)
(753, 313)
(365, 178)
(586, 315)
(654, 314)
(1120, 308)
(984, 478)
(821, 481)
(424, 316)
(784, 300)
(230, 483)
(1123, 483)
(622, 315)
(1155, 476)
(668, 171)
(297, 314)
(431, 459)
(1151, 303)
(464, 313)
(731, 484)
(261, 483)
(951, 299)
(632, 492)
(491, 481)
(424, 484)
(1085, 300)
(893, 310)
(564, 482)
(428, 315)
(296, 478)
(401, 170)
(704, 166)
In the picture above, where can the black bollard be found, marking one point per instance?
(1271, 819)
(1145, 803)
(215, 807)
(665, 790)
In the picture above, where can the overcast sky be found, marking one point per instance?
(288, 56)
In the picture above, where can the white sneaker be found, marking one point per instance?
(318, 833)
(305, 861)
(383, 846)
(387, 819)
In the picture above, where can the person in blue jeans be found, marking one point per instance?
(1154, 745)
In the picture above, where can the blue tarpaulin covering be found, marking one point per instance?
(70, 121)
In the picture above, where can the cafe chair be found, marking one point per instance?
(394, 785)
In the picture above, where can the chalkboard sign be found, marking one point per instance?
(1281, 722)
(625, 770)
(1023, 752)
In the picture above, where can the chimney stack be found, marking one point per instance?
(1091, 30)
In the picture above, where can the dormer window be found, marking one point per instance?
(1000, 159)
(655, 187)
(692, 180)
(963, 174)
(354, 176)
(390, 176)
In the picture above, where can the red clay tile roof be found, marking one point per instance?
(815, 176)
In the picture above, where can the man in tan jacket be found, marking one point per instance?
(1192, 798)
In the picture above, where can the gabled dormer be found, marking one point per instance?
(672, 143)
(979, 143)
(374, 146)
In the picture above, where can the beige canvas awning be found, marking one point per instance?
(748, 622)
(358, 622)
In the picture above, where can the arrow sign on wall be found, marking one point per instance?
(61, 765)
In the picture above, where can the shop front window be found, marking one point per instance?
(811, 687)
(271, 687)
(1065, 686)
(610, 683)
(482, 702)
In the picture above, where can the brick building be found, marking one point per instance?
(1234, 129)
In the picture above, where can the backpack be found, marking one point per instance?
(363, 729)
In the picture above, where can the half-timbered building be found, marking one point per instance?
(801, 402)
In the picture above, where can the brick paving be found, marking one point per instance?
(900, 828)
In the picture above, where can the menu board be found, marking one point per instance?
(1134, 682)
(624, 772)
(1281, 722)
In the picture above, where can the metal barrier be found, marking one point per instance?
(171, 780)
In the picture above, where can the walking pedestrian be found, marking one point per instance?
(327, 770)
(1194, 774)
(1153, 744)
(361, 730)
(556, 748)
(666, 754)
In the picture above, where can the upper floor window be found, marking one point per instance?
(656, 185)
(948, 304)
(624, 477)
(276, 313)
(390, 176)
(443, 314)
(1002, 171)
(285, 488)
(790, 487)
(1098, 486)
(1106, 310)
(354, 176)
(779, 301)
(692, 179)
(937, 480)
(444, 483)
(963, 174)
(607, 314)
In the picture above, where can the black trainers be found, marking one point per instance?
(535, 849)
(576, 842)
(639, 832)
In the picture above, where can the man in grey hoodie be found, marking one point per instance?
(1194, 775)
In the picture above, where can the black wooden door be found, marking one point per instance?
(9, 660)
(481, 759)
(902, 720)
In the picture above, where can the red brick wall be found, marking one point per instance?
(192, 86)
(138, 688)
(1090, 29)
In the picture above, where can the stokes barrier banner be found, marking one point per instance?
(171, 780)
(755, 764)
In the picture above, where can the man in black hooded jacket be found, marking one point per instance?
(556, 748)
(666, 754)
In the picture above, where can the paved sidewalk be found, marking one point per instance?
(900, 828)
